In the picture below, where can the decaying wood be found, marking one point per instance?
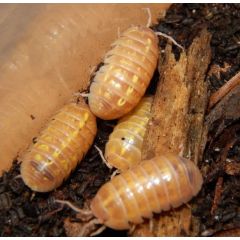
(177, 121)
(216, 69)
(226, 112)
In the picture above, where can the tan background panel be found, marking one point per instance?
(46, 53)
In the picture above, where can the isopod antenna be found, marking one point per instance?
(86, 216)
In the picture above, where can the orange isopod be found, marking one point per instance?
(154, 185)
(123, 150)
(60, 146)
(128, 68)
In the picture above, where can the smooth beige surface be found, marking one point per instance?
(46, 53)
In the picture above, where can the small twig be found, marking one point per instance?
(170, 38)
(43, 218)
(217, 195)
(224, 90)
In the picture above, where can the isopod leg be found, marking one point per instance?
(151, 225)
(132, 229)
(98, 231)
(102, 157)
(84, 215)
(18, 176)
(90, 228)
(116, 172)
(32, 196)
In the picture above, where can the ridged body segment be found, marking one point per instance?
(152, 186)
(124, 147)
(59, 148)
(128, 68)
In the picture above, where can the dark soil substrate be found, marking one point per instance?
(24, 213)
(218, 204)
(184, 21)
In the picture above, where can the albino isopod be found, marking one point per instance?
(128, 68)
(123, 150)
(154, 185)
(60, 146)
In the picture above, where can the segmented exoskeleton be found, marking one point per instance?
(123, 150)
(59, 148)
(120, 83)
(164, 182)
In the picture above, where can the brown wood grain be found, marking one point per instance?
(177, 122)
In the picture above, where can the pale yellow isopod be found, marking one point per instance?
(123, 150)
(120, 83)
(59, 148)
(155, 185)
(152, 186)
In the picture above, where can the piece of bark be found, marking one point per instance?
(224, 90)
(226, 112)
(177, 121)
